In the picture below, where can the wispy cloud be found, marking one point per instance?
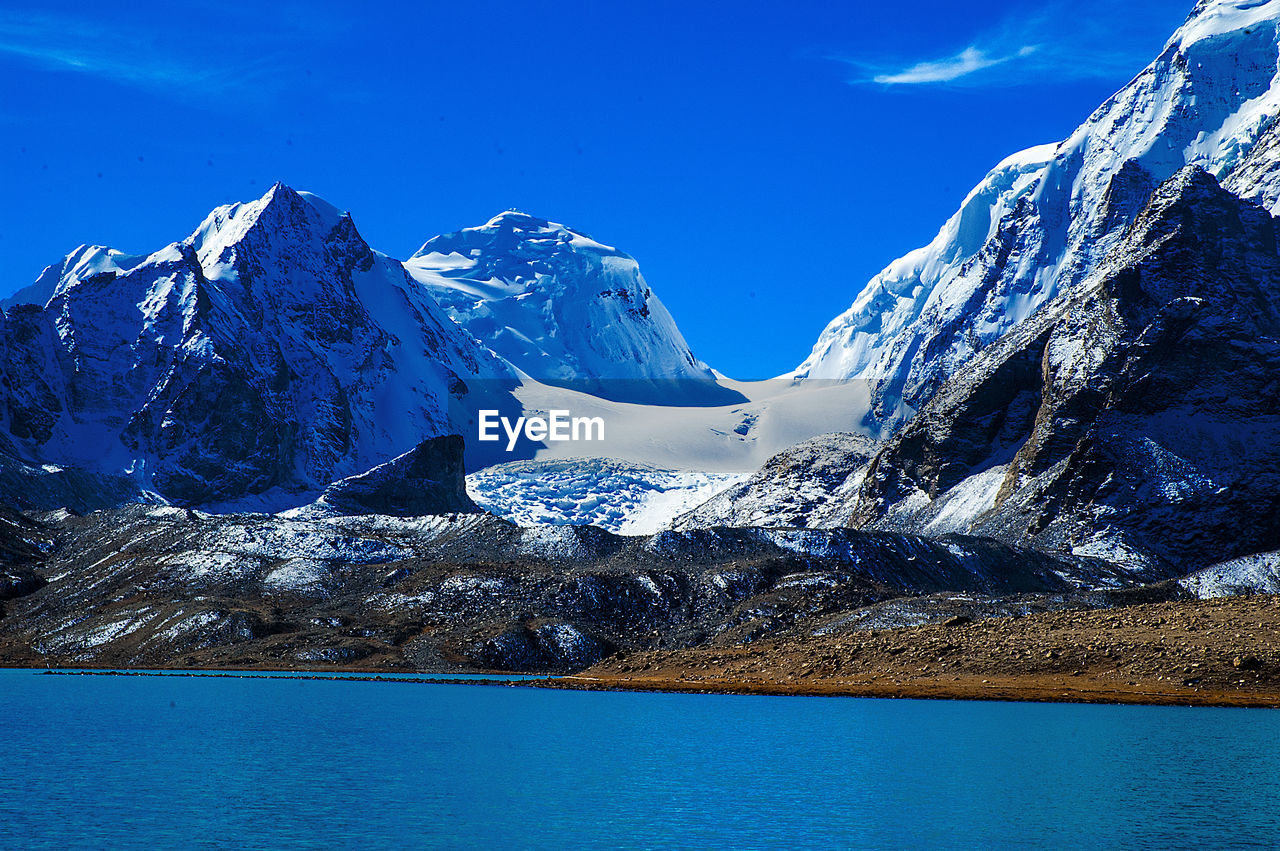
(966, 62)
(134, 53)
(1053, 41)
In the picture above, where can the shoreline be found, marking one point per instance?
(418, 677)
(1223, 652)
(1009, 689)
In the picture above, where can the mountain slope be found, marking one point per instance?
(1137, 418)
(565, 309)
(158, 586)
(1042, 219)
(267, 355)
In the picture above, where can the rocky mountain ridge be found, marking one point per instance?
(273, 353)
(1041, 220)
(148, 585)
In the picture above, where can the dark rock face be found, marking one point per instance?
(21, 540)
(18, 582)
(999, 407)
(45, 488)
(1142, 409)
(551, 646)
(428, 479)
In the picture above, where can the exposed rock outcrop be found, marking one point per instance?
(428, 479)
(1137, 418)
(806, 486)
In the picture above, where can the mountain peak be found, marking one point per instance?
(519, 218)
(520, 222)
(257, 360)
(283, 196)
(1195, 239)
(1190, 181)
(513, 233)
(538, 294)
(1193, 199)
(1212, 18)
(85, 261)
(281, 213)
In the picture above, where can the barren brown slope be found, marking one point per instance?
(1217, 652)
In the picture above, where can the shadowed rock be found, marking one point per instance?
(428, 479)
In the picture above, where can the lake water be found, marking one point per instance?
(159, 762)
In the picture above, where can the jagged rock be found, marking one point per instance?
(429, 479)
(806, 486)
(159, 585)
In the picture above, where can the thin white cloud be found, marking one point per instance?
(966, 62)
(1053, 40)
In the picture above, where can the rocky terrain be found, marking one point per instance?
(807, 486)
(1137, 419)
(1133, 418)
(1222, 652)
(166, 587)
(735, 610)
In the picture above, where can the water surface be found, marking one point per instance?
(228, 762)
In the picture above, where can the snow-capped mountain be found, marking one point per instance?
(267, 355)
(85, 262)
(564, 309)
(1135, 419)
(273, 353)
(1042, 219)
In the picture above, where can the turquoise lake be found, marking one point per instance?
(164, 762)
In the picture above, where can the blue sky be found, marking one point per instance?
(760, 160)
